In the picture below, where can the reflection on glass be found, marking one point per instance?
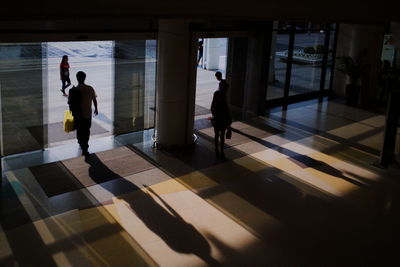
(22, 89)
(135, 70)
(278, 58)
(307, 59)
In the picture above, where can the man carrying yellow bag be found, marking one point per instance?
(69, 124)
(80, 102)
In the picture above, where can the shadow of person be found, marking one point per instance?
(303, 160)
(166, 223)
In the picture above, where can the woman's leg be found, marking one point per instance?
(68, 82)
(216, 137)
(222, 136)
(63, 86)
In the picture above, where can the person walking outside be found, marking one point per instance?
(221, 117)
(200, 52)
(80, 103)
(64, 74)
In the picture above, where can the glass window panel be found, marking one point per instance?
(123, 73)
(134, 93)
(330, 57)
(307, 60)
(278, 63)
(22, 83)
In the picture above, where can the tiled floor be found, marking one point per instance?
(287, 195)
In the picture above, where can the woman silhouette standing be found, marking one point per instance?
(64, 74)
(221, 117)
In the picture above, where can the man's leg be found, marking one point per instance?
(200, 57)
(78, 127)
(85, 135)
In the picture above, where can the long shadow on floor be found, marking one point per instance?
(179, 235)
(315, 226)
(21, 205)
(19, 242)
(27, 243)
(341, 140)
(303, 160)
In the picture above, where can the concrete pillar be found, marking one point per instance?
(256, 74)
(395, 30)
(236, 75)
(212, 62)
(391, 124)
(389, 146)
(176, 73)
(353, 39)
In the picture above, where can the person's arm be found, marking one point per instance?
(72, 101)
(213, 103)
(95, 104)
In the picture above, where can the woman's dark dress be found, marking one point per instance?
(220, 111)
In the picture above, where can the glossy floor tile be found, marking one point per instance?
(287, 194)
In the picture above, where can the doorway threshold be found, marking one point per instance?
(72, 150)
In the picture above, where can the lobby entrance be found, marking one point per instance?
(122, 70)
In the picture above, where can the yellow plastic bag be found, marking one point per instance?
(69, 124)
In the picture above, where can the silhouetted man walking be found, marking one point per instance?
(80, 103)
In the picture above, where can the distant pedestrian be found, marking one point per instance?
(200, 52)
(64, 74)
(221, 117)
(80, 103)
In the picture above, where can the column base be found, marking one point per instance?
(159, 146)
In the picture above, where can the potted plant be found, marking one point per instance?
(352, 68)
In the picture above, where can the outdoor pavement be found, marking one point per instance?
(206, 85)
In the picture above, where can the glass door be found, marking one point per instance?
(278, 61)
(308, 53)
(301, 58)
(135, 82)
(122, 72)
